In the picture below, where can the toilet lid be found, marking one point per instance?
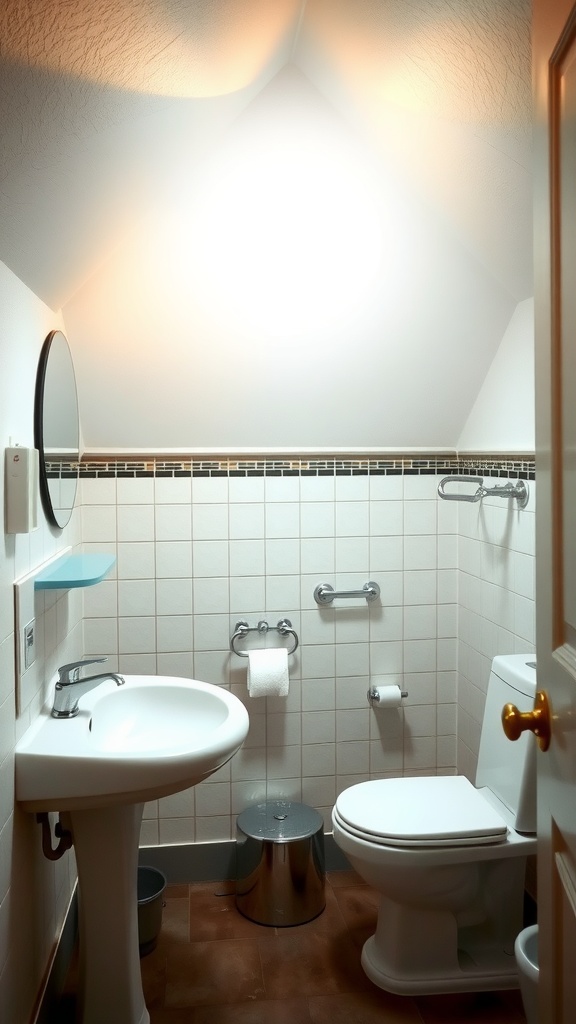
(433, 811)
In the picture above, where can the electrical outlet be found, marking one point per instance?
(29, 643)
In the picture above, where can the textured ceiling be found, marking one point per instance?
(105, 103)
(162, 47)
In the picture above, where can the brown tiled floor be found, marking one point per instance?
(213, 966)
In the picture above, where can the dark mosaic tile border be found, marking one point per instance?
(511, 467)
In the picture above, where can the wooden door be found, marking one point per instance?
(554, 40)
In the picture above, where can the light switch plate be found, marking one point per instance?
(29, 641)
(24, 614)
(28, 610)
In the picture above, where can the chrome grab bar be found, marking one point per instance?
(461, 480)
(325, 594)
(518, 490)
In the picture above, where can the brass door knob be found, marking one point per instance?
(516, 722)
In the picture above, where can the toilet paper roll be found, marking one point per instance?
(386, 696)
(268, 672)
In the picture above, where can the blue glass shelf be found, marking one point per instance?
(75, 571)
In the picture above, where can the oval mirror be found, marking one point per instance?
(56, 429)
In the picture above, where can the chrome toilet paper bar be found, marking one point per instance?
(242, 628)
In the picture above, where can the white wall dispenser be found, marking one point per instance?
(21, 489)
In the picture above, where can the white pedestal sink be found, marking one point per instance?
(149, 738)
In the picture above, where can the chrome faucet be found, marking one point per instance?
(69, 687)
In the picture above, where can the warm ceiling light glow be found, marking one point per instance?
(452, 59)
(286, 235)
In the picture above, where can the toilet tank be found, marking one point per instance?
(508, 768)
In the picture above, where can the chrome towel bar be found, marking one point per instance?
(325, 594)
(242, 628)
(519, 490)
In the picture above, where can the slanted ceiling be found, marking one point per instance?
(108, 106)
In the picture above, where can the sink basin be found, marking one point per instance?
(153, 736)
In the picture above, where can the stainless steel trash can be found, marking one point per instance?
(280, 864)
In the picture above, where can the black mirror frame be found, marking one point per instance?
(47, 503)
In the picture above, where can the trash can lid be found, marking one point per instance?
(279, 821)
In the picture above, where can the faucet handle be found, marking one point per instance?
(70, 673)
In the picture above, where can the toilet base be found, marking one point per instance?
(446, 928)
(424, 951)
(472, 978)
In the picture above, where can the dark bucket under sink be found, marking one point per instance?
(151, 886)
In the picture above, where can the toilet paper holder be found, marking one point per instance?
(242, 628)
(377, 694)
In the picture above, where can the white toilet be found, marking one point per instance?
(448, 858)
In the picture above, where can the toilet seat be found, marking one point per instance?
(429, 811)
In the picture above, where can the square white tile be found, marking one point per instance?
(136, 597)
(173, 559)
(173, 522)
(176, 490)
(246, 521)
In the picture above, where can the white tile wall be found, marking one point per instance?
(496, 603)
(194, 556)
(34, 892)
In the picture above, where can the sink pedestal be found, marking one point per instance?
(151, 737)
(106, 843)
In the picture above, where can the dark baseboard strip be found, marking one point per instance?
(50, 1006)
(210, 862)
